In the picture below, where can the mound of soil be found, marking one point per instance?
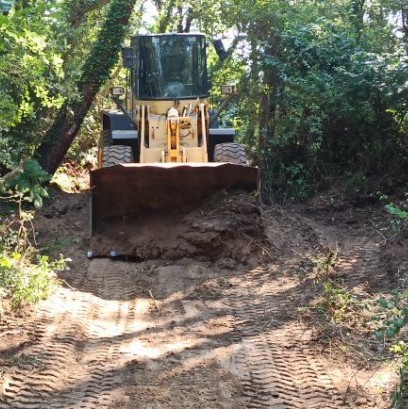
(227, 225)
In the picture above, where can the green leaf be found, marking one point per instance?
(390, 332)
(379, 335)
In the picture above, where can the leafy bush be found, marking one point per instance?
(27, 282)
(398, 212)
(392, 319)
(336, 302)
(25, 276)
(400, 215)
(393, 315)
(28, 183)
(323, 90)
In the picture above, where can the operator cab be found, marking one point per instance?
(169, 66)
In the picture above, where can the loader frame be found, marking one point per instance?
(157, 152)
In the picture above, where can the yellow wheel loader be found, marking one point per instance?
(157, 151)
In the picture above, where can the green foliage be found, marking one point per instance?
(186, 16)
(26, 277)
(401, 389)
(325, 88)
(295, 179)
(29, 183)
(9, 237)
(29, 67)
(43, 46)
(392, 318)
(324, 264)
(96, 68)
(399, 215)
(26, 282)
(335, 301)
(31, 79)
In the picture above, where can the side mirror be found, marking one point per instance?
(127, 57)
(5, 6)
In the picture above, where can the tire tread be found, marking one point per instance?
(116, 154)
(230, 152)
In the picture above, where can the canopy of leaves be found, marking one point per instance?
(324, 92)
(43, 45)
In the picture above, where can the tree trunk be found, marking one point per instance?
(95, 71)
(78, 10)
(269, 97)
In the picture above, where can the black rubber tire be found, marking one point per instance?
(116, 154)
(230, 152)
(105, 139)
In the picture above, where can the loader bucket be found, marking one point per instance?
(123, 193)
(126, 190)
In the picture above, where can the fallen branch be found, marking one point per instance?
(262, 247)
(380, 234)
(69, 286)
(9, 176)
(154, 301)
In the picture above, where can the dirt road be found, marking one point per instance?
(224, 331)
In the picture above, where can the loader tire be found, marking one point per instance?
(116, 154)
(230, 152)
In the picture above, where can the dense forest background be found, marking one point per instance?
(323, 85)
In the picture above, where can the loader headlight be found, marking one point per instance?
(228, 89)
(117, 91)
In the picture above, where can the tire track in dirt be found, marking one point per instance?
(219, 338)
(358, 252)
(73, 361)
(281, 365)
(37, 375)
(359, 266)
(280, 369)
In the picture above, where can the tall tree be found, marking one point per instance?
(95, 71)
(30, 79)
(185, 16)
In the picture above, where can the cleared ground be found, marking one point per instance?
(221, 320)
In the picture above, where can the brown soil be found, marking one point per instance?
(226, 225)
(214, 313)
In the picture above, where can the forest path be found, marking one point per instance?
(196, 332)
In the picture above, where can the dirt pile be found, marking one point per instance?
(226, 226)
